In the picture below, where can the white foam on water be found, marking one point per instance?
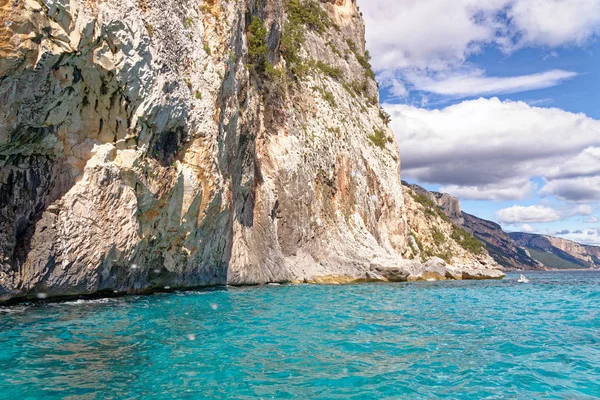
(13, 310)
(82, 301)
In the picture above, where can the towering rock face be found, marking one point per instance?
(449, 204)
(182, 143)
(152, 143)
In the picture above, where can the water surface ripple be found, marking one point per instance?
(496, 339)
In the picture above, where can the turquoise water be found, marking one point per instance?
(497, 339)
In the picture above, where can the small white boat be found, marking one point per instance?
(522, 279)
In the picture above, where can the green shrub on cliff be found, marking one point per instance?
(429, 207)
(273, 73)
(438, 237)
(440, 213)
(378, 138)
(150, 29)
(424, 200)
(328, 70)
(301, 15)
(466, 240)
(385, 117)
(361, 88)
(291, 43)
(309, 13)
(445, 255)
(363, 59)
(335, 50)
(327, 96)
(257, 45)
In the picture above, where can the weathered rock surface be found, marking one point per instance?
(480, 274)
(141, 147)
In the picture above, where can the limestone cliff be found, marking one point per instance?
(429, 215)
(433, 233)
(503, 249)
(180, 143)
(500, 245)
(557, 253)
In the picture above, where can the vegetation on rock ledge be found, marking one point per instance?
(429, 207)
(379, 138)
(257, 45)
(300, 15)
(466, 240)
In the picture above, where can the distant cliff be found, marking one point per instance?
(435, 231)
(498, 243)
(513, 251)
(558, 253)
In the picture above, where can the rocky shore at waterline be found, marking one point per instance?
(435, 269)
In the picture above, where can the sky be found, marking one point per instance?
(496, 102)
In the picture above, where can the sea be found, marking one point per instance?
(424, 340)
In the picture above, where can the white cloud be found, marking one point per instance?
(562, 233)
(539, 213)
(425, 34)
(585, 163)
(488, 149)
(436, 34)
(553, 23)
(531, 214)
(425, 37)
(580, 210)
(592, 220)
(539, 102)
(508, 190)
(393, 84)
(473, 83)
(587, 236)
(574, 188)
(526, 228)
